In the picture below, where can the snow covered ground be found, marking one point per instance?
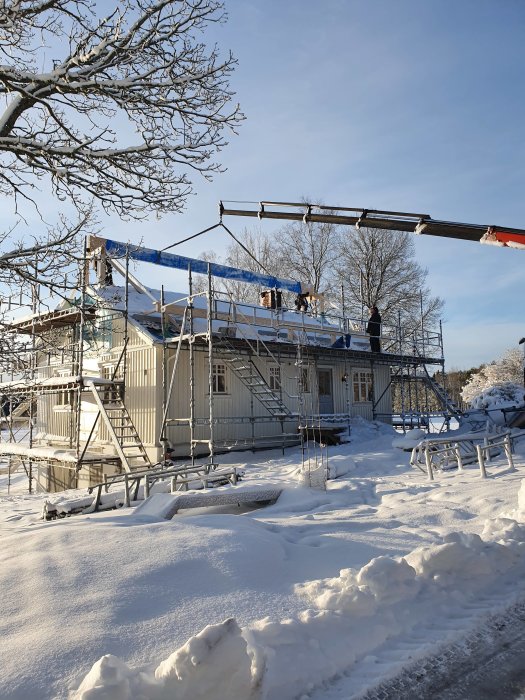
(322, 595)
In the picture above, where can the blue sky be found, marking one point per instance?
(406, 105)
(401, 105)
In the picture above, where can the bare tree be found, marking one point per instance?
(308, 252)
(261, 258)
(256, 254)
(118, 109)
(379, 268)
(302, 251)
(132, 106)
(47, 260)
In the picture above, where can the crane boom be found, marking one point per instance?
(376, 218)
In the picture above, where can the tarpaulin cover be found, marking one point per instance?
(180, 262)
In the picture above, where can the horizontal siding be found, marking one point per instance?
(144, 394)
(142, 391)
(239, 402)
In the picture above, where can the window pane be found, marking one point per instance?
(363, 386)
(275, 378)
(304, 383)
(219, 379)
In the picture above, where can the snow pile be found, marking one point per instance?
(502, 395)
(386, 580)
(464, 558)
(521, 500)
(353, 614)
(313, 475)
(196, 671)
(339, 466)
(361, 592)
(409, 440)
(362, 429)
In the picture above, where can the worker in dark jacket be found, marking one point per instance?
(373, 329)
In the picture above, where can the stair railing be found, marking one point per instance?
(114, 374)
(250, 343)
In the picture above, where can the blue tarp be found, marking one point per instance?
(180, 262)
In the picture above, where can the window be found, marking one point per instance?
(108, 371)
(64, 397)
(275, 378)
(304, 380)
(219, 379)
(112, 393)
(363, 387)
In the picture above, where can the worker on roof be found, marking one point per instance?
(301, 302)
(373, 329)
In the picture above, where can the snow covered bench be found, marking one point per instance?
(135, 486)
(200, 474)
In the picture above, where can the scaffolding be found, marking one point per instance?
(61, 345)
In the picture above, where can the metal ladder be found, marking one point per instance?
(442, 395)
(123, 433)
(252, 379)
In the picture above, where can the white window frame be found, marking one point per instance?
(274, 377)
(219, 388)
(64, 397)
(64, 400)
(362, 386)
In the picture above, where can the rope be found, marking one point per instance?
(210, 228)
(245, 249)
(184, 240)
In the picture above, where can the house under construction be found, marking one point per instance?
(120, 374)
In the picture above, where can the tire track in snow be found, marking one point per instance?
(486, 664)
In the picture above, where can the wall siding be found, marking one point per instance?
(144, 395)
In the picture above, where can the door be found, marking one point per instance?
(326, 396)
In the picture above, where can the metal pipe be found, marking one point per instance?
(210, 364)
(191, 360)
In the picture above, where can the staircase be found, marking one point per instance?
(19, 412)
(123, 433)
(442, 395)
(250, 376)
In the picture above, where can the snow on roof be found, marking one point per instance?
(253, 322)
(48, 453)
(50, 382)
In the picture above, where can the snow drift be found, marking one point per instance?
(349, 616)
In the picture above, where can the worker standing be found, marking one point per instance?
(301, 303)
(373, 329)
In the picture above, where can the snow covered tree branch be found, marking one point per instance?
(44, 260)
(135, 104)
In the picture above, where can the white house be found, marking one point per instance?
(121, 373)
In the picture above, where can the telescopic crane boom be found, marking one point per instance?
(375, 218)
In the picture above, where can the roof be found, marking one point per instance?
(251, 322)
